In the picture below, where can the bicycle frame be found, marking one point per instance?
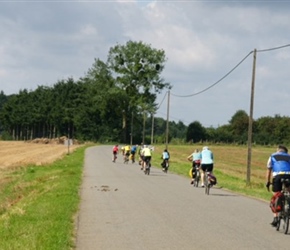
(284, 215)
(207, 184)
(196, 177)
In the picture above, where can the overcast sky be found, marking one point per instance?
(42, 42)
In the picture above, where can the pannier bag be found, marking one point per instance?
(212, 179)
(276, 202)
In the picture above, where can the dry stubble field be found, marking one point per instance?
(20, 153)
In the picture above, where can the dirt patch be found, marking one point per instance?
(21, 153)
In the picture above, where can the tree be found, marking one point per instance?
(195, 132)
(239, 125)
(137, 68)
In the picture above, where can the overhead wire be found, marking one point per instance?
(197, 93)
(261, 50)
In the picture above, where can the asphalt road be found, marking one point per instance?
(121, 208)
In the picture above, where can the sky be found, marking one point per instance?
(209, 48)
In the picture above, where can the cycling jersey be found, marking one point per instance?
(279, 163)
(146, 152)
(115, 149)
(206, 157)
(133, 149)
(196, 156)
(165, 155)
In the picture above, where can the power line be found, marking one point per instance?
(217, 81)
(263, 50)
(161, 101)
(280, 47)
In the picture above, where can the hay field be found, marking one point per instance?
(20, 153)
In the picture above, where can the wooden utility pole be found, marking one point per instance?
(152, 128)
(250, 129)
(167, 122)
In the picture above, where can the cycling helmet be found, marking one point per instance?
(205, 148)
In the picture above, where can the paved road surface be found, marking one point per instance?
(122, 209)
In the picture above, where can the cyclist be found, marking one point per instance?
(206, 163)
(146, 152)
(133, 152)
(195, 158)
(127, 151)
(278, 166)
(165, 156)
(123, 150)
(115, 152)
(140, 156)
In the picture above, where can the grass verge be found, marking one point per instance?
(38, 204)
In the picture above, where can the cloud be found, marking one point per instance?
(45, 41)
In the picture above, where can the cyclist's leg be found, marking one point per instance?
(192, 172)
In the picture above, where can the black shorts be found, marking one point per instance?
(207, 167)
(146, 158)
(195, 164)
(127, 153)
(277, 184)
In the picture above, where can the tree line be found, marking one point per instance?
(115, 101)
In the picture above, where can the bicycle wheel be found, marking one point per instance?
(206, 184)
(197, 178)
(286, 224)
(278, 222)
(166, 166)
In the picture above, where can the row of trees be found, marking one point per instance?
(115, 102)
(266, 130)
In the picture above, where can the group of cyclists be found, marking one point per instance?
(129, 152)
(200, 159)
(144, 153)
(278, 165)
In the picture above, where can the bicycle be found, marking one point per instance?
(114, 157)
(147, 167)
(133, 158)
(165, 165)
(207, 183)
(196, 177)
(126, 158)
(284, 214)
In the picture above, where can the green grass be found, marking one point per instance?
(38, 204)
(230, 166)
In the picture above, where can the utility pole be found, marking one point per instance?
(250, 129)
(167, 122)
(152, 128)
(131, 135)
(144, 120)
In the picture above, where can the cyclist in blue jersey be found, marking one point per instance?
(165, 157)
(278, 167)
(206, 163)
(133, 152)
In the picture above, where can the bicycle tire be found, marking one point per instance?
(206, 184)
(278, 223)
(197, 178)
(286, 224)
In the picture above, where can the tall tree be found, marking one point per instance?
(137, 68)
